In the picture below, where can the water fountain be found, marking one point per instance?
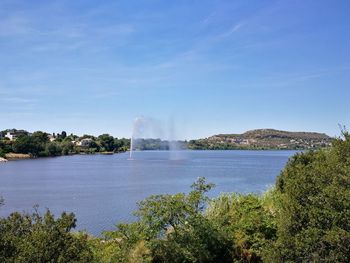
(136, 126)
(144, 127)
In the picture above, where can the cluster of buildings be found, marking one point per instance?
(86, 142)
(232, 140)
(271, 141)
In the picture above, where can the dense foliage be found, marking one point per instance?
(248, 220)
(5, 147)
(171, 228)
(305, 218)
(203, 144)
(26, 238)
(41, 144)
(314, 207)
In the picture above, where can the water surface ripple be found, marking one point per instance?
(104, 189)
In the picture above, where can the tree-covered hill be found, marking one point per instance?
(264, 139)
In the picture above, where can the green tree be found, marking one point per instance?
(314, 207)
(249, 220)
(40, 137)
(67, 147)
(118, 144)
(5, 147)
(174, 229)
(28, 144)
(53, 149)
(34, 238)
(34, 144)
(107, 142)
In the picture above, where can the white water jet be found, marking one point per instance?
(135, 128)
(175, 150)
(144, 128)
(149, 128)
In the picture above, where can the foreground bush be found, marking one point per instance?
(34, 238)
(248, 220)
(172, 228)
(314, 207)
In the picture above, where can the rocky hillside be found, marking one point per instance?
(264, 139)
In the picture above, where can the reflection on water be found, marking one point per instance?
(104, 189)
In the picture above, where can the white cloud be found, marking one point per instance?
(234, 29)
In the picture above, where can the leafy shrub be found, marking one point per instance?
(35, 238)
(249, 220)
(314, 207)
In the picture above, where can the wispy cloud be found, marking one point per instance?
(62, 34)
(16, 100)
(232, 30)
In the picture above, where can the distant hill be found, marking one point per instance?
(264, 139)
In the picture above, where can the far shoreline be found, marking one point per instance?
(9, 157)
(19, 157)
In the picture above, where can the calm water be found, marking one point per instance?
(104, 189)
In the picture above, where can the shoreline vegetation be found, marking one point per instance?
(305, 217)
(20, 144)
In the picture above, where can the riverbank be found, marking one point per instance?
(17, 156)
(21, 156)
(107, 153)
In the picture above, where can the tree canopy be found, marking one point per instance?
(314, 206)
(32, 238)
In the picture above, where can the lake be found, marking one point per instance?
(104, 189)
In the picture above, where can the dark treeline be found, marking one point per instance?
(304, 218)
(158, 144)
(41, 144)
(203, 144)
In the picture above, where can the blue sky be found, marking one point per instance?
(211, 66)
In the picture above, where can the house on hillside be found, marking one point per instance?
(51, 137)
(85, 142)
(13, 134)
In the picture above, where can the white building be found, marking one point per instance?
(51, 137)
(85, 142)
(13, 134)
